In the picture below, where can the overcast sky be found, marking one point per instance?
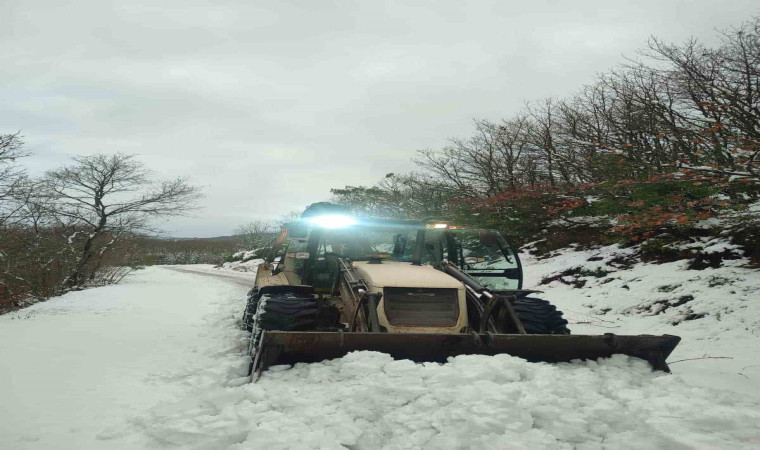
(270, 104)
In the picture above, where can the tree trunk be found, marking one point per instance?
(76, 277)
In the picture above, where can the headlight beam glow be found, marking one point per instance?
(332, 221)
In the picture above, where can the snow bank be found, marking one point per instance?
(242, 266)
(243, 261)
(715, 311)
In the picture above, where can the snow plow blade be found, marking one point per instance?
(288, 347)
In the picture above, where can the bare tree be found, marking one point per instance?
(101, 199)
(256, 234)
(483, 164)
(717, 99)
(11, 176)
(543, 134)
(413, 195)
(11, 148)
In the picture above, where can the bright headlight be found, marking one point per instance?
(439, 225)
(332, 221)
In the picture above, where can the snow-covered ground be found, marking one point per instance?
(715, 311)
(79, 371)
(157, 362)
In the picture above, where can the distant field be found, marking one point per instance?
(213, 250)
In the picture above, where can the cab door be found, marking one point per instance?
(486, 256)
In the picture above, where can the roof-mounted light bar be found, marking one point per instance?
(332, 221)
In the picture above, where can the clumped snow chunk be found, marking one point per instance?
(367, 400)
(245, 255)
(243, 261)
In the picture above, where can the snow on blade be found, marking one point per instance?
(367, 400)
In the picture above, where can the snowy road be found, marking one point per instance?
(244, 279)
(157, 362)
(77, 369)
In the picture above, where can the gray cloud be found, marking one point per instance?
(271, 104)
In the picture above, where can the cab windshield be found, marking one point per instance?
(364, 243)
